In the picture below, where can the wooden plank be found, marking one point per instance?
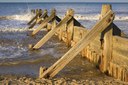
(95, 45)
(32, 25)
(54, 23)
(42, 69)
(87, 38)
(58, 19)
(44, 23)
(33, 18)
(120, 49)
(49, 27)
(107, 35)
(107, 49)
(43, 16)
(61, 32)
(120, 57)
(70, 31)
(122, 40)
(76, 36)
(52, 32)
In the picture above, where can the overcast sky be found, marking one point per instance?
(63, 0)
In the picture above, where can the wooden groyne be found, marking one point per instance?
(104, 44)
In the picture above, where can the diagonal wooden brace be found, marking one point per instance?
(87, 38)
(34, 18)
(52, 32)
(44, 23)
(43, 16)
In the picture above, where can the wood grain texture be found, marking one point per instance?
(43, 16)
(95, 31)
(34, 18)
(52, 32)
(44, 23)
(106, 35)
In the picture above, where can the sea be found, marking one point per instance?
(13, 27)
(14, 18)
(86, 13)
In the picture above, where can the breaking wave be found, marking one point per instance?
(87, 17)
(96, 17)
(15, 22)
(19, 22)
(21, 17)
(28, 17)
(24, 17)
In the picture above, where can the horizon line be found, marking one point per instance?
(63, 2)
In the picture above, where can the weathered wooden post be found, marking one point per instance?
(39, 11)
(86, 39)
(39, 17)
(41, 71)
(53, 20)
(35, 17)
(60, 31)
(44, 23)
(43, 16)
(52, 32)
(49, 26)
(106, 39)
(70, 28)
(39, 20)
(33, 11)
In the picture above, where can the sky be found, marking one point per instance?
(63, 0)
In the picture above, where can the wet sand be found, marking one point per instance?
(23, 68)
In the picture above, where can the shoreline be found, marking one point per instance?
(78, 71)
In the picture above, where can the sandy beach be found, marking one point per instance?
(25, 70)
(20, 66)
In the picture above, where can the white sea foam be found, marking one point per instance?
(15, 23)
(121, 18)
(93, 17)
(15, 30)
(20, 17)
(87, 17)
(23, 17)
(19, 22)
(11, 52)
(28, 17)
(97, 17)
